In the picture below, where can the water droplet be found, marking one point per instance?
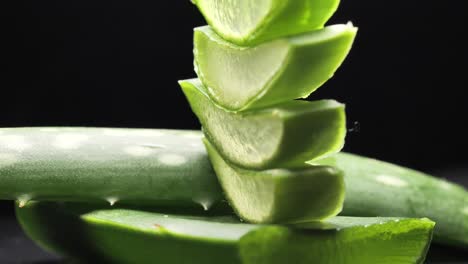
(112, 200)
(205, 203)
(23, 200)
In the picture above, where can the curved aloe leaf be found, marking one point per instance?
(130, 236)
(281, 137)
(247, 22)
(280, 195)
(241, 78)
(132, 166)
(377, 188)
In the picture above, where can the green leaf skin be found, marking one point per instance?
(285, 136)
(241, 78)
(377, 188)
(247, 22)
(280, 195)
(131, 166)
(134, 237)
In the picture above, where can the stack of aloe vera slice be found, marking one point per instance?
(104, 195)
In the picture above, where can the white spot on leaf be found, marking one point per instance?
(49, 129)
(172, 159)
(192, 135)
(69, 141)
(13, 142)
(391, 181)
(115, 132)
(148, 133)
(138, 151)
(8, 159)
(196, 144)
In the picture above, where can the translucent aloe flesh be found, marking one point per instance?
(280, 195)
(377, 188)
(240, 78)
(131, 236)
(285, 136)
(247, 22)
(132, 166)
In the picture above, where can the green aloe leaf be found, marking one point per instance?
(132, 236)
(377, 188)
(280, 195)
(131, 166)
(285, 136)
(240, 78)
(247, 22)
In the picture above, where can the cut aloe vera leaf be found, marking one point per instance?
(247, 22)
(280, 195)
(131, 236)
(132, 166)
(285, 136)
(377, 188)
(240, 78)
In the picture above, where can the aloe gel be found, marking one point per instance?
(285, 136)
(243, 78)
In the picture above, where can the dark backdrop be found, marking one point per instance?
(116, 63)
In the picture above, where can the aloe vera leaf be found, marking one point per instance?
(280, 195)
(132, 236)
(285, 136)
(377, 188)
(241, 78)
(131, 166)
(247, 22)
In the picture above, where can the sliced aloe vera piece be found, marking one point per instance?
(377, 188)
(280, 195)
(130, 236)
(248, 22)
(242, 78)
(281, 137)
(132, 166)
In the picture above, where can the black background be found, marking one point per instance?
(116, 63)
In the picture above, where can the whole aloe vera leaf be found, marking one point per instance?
(285, 136)
(377, 188)
(247, 22)
(280, 195)
(131, 166)
(131, 236)
(241, 78)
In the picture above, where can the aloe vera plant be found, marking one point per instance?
(132, 236)
(132, 166)
(285, 136)
(247, 22)
(280, 195)
(240, 78)
(377, 188)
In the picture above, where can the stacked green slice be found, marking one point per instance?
(253, 61)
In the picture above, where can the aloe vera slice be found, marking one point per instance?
(377, 188)
(280, 195)
(281, 137)
(248, 22)
(240, 78)
(131, 236)
(132, 166)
